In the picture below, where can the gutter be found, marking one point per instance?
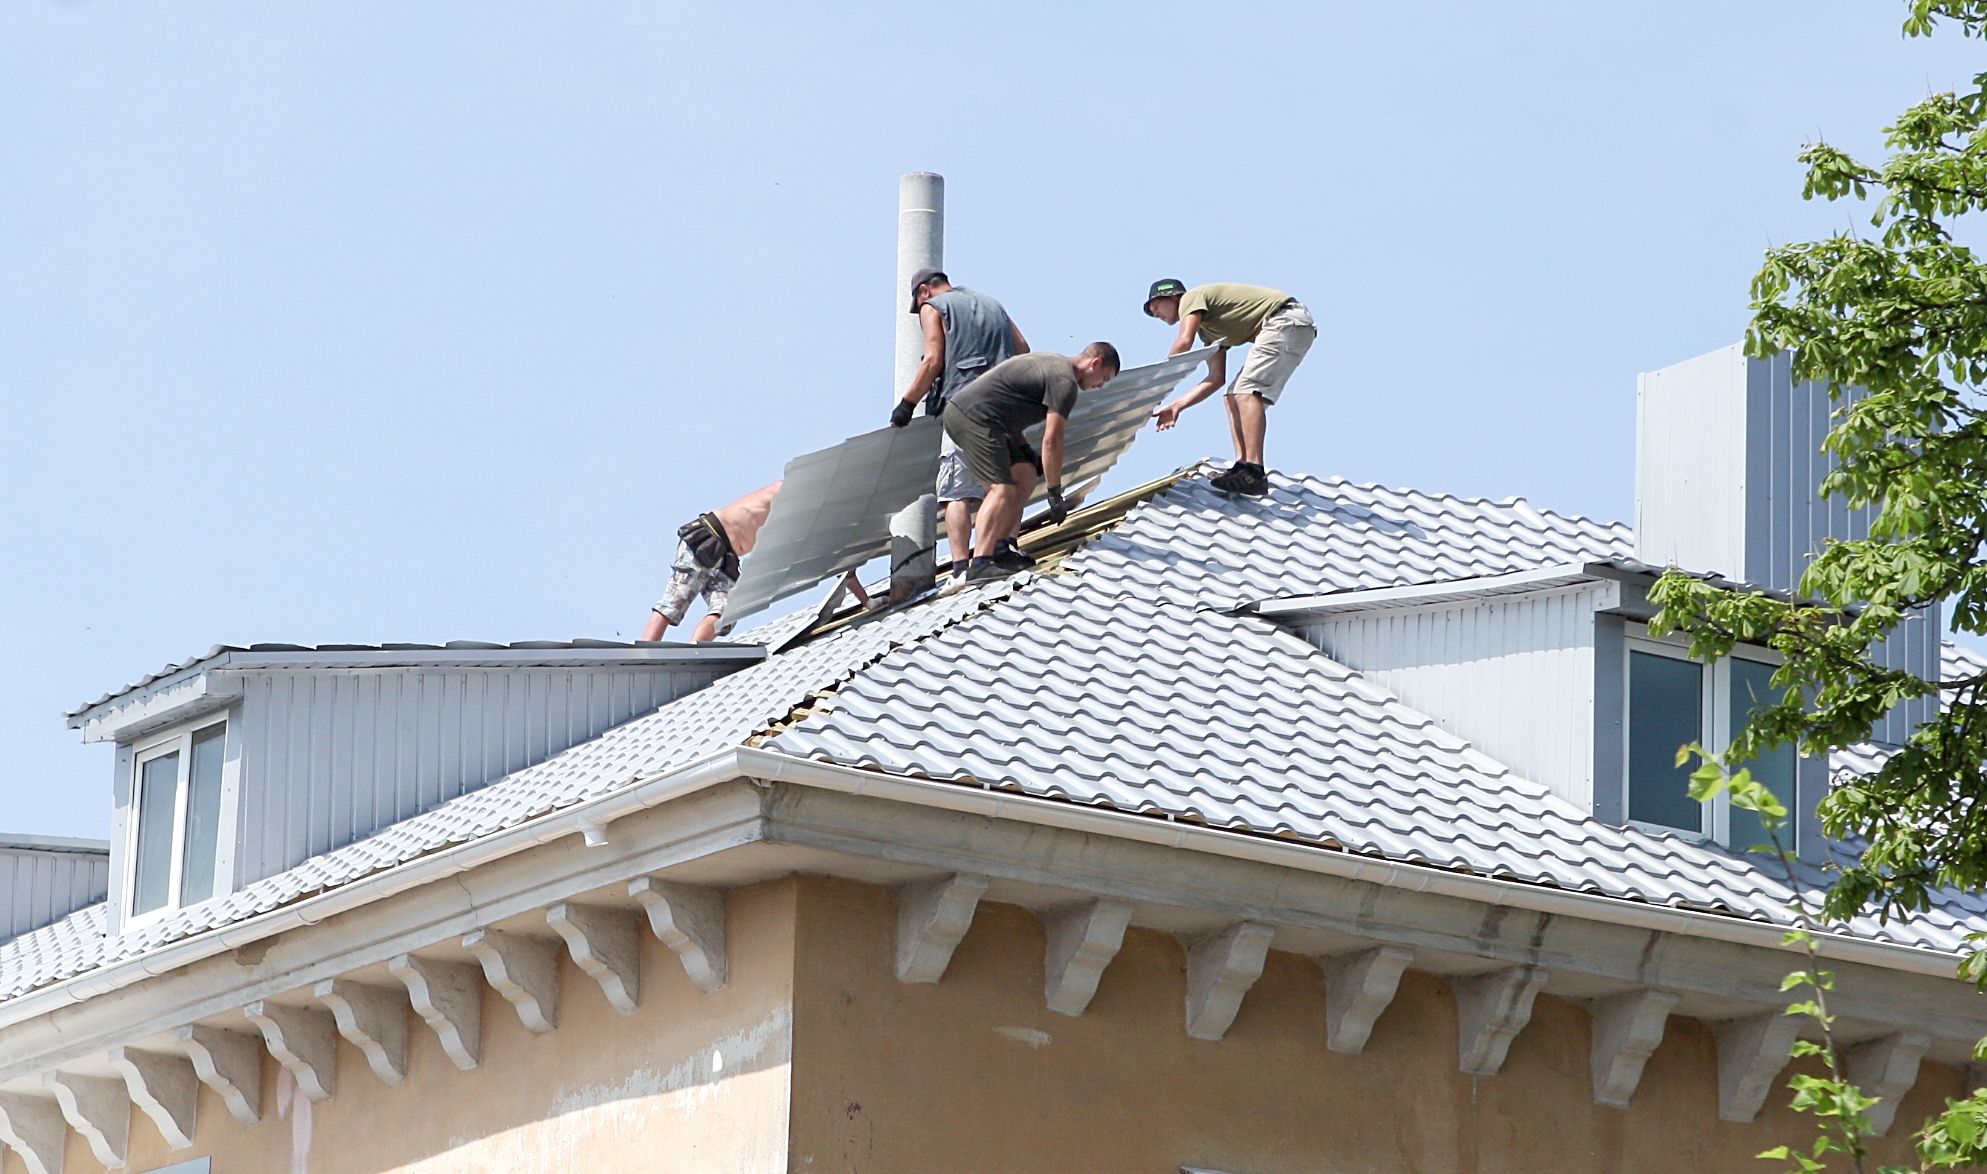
(592, 819)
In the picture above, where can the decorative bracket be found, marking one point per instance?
(448, 996)
(304, 1040)
(1491, 1009)
(932, 916)
(1886, 1068)
(1221, 967)
(1358, 987)
(523, 970)
(1751, 1053)
(165, 1087)
(1082, 940)
(98, 1108)
(34, 1128)
(230, 1063)
(1626, 1029)
(689, 919)
(374, 1019)
(603, 943)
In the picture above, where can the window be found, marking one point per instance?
(177, 841)
(1665, 711)
(1673, 701)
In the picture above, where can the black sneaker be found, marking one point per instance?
(981, 572)
(1011, 558)
(1245, 479)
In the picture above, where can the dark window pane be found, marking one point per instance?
(1751, 687)
(1665, 711)
(203, 815)
(158, 795)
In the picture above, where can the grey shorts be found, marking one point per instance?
(687, 580)
(955, 481)
(1285, 338)
(991, 453)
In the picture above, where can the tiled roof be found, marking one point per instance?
(1118, 682)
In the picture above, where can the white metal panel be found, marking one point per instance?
(43, 885)
(1690, 464)
(1513, 675)
(330, 757)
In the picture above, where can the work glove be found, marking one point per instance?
(901, 414)
(1058, 508)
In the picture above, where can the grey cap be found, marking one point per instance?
(918, 279)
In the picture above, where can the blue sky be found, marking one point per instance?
(420, 322)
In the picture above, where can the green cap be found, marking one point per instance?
(1165, 287)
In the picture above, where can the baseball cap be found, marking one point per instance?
(918, 279)
(1165, 287)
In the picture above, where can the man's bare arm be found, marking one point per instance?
(1052, 445)
(1184, 341)
(1020, 343)
(934, 361)
(1217, 374)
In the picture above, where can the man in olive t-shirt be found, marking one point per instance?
(1229, 315)
(986, 420)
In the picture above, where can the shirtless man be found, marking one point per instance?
(706, 563)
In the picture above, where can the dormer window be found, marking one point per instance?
(1674, 701)
(176, 839)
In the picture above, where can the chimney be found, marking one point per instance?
(920, 243)
(1728, 472)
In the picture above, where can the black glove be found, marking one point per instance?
(901, 414)
(1058, 508)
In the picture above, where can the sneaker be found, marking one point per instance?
(1245, 479)
(1011, 558)
(983, 570)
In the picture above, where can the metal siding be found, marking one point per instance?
(1690, 464)
(39, 887)
(331, 757)
(1514, 676)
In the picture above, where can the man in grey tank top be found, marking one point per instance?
(966, 335)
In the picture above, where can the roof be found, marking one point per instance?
(16, 842)
(1119, 681)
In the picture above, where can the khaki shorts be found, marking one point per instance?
(1285, 338)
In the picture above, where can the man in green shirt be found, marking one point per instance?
(1229, 315)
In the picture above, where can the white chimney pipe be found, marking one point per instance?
(920, 243)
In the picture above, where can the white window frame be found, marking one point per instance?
(178, 740)
(1715, 722)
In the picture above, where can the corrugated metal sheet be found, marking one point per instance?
(42, 885)
(1513, 676)
(332, 757)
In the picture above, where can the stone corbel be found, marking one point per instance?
(302, 1039)
(1221, 967)
(932, 917)
(165, 1087)
(374, 1020)
(34, 1129)
(1082, 940)
(1626, 1030)
(448, 996)
(1751, 1053)
(1358, 987)
(1491, 1009)
(1886, 1068)
(230, 1063)
(603, 943)
(523, 970)
(99, 1108)
(689, 919)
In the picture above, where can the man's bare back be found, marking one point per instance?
(743, 518)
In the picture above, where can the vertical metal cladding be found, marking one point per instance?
(333, 756)
(43, 881)
(1728, 474)
(1512, 674)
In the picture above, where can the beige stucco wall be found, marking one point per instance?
(975, 1073)
(602, 1092)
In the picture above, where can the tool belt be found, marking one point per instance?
(709, 545)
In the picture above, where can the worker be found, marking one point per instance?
(966, 335)
(986, 421)
(1227, 316)
(707, 552)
